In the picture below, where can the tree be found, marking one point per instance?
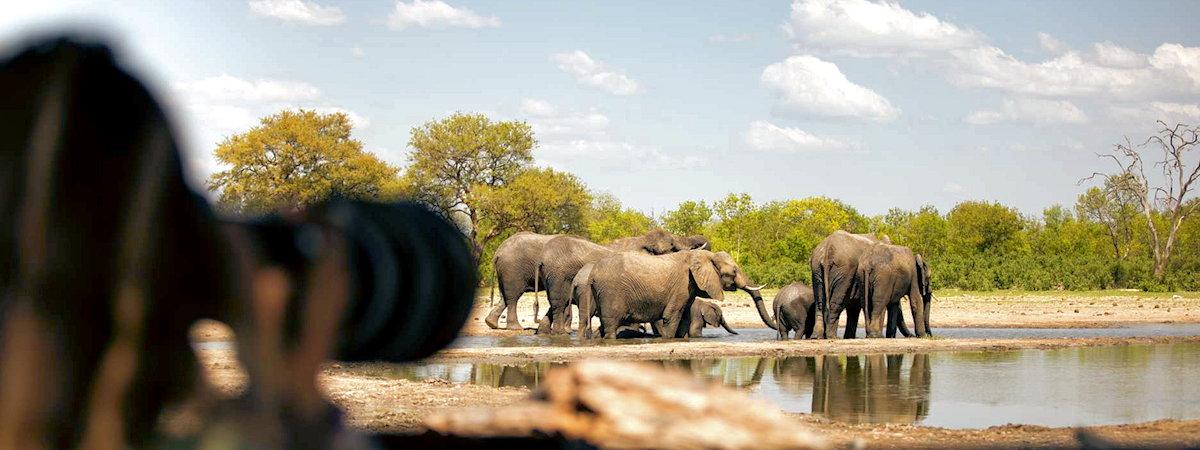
(455, 156)
(539, 200)
(294, 159)
(688, 218)
(1169, 196)
(609, 220)
(984, 228)
(1114, 211)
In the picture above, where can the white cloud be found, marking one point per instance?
(568, 138)
(437, 14)
(1109, 54)
(865, 28)
(768, 137)
(809, 86)
(1051, 44)
(590, 72)
(1104, 71)
(1033, 111)
(1147, 113)
(722, 38)
(298, 11)
(358, 52)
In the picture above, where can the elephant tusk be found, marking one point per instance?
(702, 246)
(754, 288)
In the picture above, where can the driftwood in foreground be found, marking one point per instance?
(633, 405)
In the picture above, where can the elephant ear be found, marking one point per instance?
(704, 273)
(712, 315)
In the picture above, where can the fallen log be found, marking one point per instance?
(624, 405)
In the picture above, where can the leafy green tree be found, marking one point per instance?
(539, 200)
(454, 157)
(294, 159)
(984, 228)
(609, 220)
(688, 218)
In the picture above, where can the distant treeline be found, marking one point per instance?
(480, 174)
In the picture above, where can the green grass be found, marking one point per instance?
(1072, 294)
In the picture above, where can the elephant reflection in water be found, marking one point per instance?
(736, 372)
(527, 375)
(869, 389)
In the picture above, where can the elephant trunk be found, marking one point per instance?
(762, 309)
(726, 326)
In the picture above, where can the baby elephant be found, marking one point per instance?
(794, 310)
(703, 313)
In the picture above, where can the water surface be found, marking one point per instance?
(1059, 387)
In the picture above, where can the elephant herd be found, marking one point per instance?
(656, 278)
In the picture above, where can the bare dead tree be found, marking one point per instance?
(1176, 179)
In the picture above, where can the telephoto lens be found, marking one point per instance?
(411, 275)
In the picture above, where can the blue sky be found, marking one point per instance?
(878, 104)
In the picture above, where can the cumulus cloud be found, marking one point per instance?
(567, 138)
(1104, 71)
(865, 28)
(223, 105)
(1051, 44)
(590, 72)
(298, 11)
(1032, 111)
(1147, 113)
(437, 14)
(808, 86)
(768, 137)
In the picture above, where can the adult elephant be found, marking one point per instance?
(636, 288)
(563, 257)
(795, 311)
(515, 264)
(834, 265)
(886, 273)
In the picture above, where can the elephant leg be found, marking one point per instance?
(893, 310)
(493, 318)
(809, 324)
(512, 295)
(609, 326)
(818, 318)
(839, 300)
(561, 306)
(782, 330)
(852, 322)
(878, 317)
(656, 327)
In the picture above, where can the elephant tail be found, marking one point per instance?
(537, 276)
(824, 293)
(864, 277)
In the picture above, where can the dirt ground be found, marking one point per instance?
(376, 403)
